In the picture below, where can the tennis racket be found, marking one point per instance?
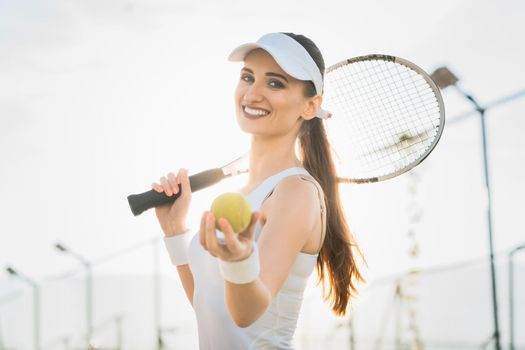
(388, 116)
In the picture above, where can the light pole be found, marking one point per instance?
(444, 78)
(36, 304)
(89, 290)
(511, 293)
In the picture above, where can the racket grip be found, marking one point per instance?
(151, 199)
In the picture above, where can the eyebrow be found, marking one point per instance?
(268, 74)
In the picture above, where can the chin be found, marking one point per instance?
(247, 125)
(252, 126)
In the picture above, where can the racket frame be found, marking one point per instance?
(437, 94)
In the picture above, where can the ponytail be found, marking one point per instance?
(336, 267)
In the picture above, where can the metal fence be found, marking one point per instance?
(438, 308)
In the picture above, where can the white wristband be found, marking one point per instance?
(244, 271)
(177, 247)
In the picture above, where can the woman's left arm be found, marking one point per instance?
(289, 219)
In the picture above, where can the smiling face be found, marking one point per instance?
(268, 100)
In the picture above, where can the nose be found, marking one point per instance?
(253, 93)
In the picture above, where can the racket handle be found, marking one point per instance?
(150, 199)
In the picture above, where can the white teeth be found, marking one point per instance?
(255, 112)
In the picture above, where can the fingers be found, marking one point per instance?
(157, 187)
(202, 231)
(250, 230)
(234, 247)
(184, 181)
(172, 184)
(212, 244)
(167, 185)
(207, 220)
(230, 238)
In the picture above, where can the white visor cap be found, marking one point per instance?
(291, 56)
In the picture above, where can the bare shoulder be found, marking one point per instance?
(298, 187)
(296, 194)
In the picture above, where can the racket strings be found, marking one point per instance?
(386, 116)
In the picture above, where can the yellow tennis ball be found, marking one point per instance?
(234, 207)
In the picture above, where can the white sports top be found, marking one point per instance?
(276, 327)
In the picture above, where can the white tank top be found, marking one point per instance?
(276, 327)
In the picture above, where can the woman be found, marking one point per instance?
(247, 289)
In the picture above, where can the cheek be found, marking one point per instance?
(238, 97)
(289, 106)
(237, 93)
(282, 101)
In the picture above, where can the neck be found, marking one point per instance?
(269, 156)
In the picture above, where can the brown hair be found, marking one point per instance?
(337, 267)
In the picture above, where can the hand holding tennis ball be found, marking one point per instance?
(233, 207)
(230, 214)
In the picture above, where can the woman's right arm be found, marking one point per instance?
(186, 278)
(172, 217)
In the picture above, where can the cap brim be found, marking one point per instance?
(239, 53)
(282, 58)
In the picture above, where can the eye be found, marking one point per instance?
(276, 84)
(247, 78)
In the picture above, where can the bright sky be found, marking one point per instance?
(98, 99)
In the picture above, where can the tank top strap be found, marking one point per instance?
(265, 188)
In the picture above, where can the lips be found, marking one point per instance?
(254, 113)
